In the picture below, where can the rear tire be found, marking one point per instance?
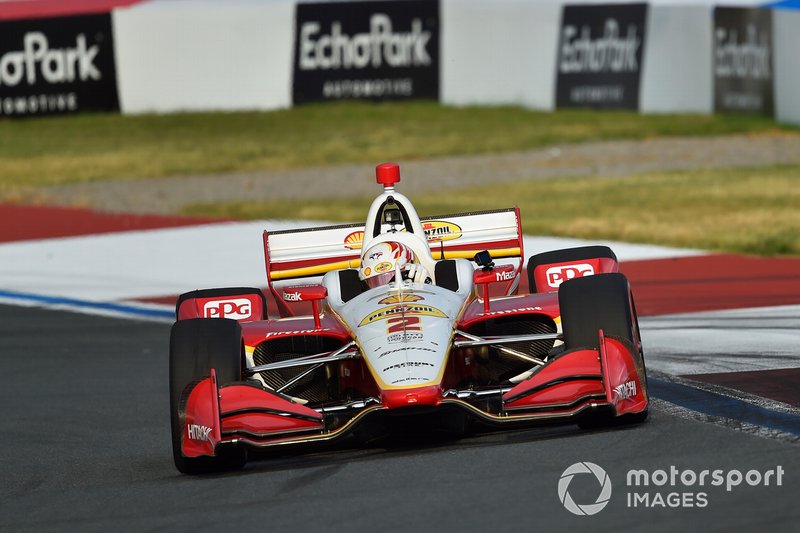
(196, 346)
(602, 301)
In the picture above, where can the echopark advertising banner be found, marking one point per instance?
(743, 60)
(385, 50)
(57, 65)
(600, 52)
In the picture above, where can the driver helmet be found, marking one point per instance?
(380, 262)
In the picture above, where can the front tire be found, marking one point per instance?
(602, 301)
(196, 346)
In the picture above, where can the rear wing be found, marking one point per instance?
(312, 252)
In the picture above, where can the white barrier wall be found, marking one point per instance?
(499, 52)
(193, 56)
(786, 28)
(205, 55)
(676, 69)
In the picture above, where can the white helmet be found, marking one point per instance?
(381, 261)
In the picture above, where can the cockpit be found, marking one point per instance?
(394, 245)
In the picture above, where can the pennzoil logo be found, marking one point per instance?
(401, 298)
(405, 310)
(440, 230)
(383, 267)
(354, 240)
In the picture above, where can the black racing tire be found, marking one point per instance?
(593, 302)
(602, 301)
(196, 346)
(566, 255)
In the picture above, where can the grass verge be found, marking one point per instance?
(82, 148)
(747, 210)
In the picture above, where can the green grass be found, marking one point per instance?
(49, 151)
(753, 211)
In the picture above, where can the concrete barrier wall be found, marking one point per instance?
(193, 56)
(786, 27)
(207, 55)
(499, 52)
(676, 76)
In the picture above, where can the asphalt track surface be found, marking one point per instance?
(85, 447)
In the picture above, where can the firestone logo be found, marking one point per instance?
(60, 65)
(381, 44)
(237, 309)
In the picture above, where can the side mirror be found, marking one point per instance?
(484, 259)
(307, 293)
(496, 275)
(485, 276)
(304, 293)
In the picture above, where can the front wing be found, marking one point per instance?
(609, 379)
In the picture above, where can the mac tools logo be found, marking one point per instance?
(57, 65)
(743, 60)
(366, 50)
(600, 56)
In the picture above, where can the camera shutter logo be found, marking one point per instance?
(602, 498)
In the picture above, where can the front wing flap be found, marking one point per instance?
(218, 415)
(610, 375)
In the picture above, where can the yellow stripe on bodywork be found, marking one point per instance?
(318, 270)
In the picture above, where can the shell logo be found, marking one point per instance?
(401, 298)
(354, 240)
(441, 230)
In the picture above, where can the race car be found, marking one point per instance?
(403, 323)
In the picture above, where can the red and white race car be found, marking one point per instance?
(393, 327)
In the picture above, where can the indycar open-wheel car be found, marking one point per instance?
(402, 320)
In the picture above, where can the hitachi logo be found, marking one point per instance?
(197, 432)
(60, 65)
(338, 50)
(609, 53)
(748, 59)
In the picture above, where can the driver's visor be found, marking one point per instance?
(380, 279)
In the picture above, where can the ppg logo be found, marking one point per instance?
(237, 309)
(559, 274)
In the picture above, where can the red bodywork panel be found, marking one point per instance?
(242, 307)
(255, 412)
(625, 386)
(548, 277)
(392, 399)
(214, 415)
(559, 384)
(606, 375)
(201, 432)
(256, 332)
(545, 304)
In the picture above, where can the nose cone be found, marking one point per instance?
(387, 174)
(430, 395)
